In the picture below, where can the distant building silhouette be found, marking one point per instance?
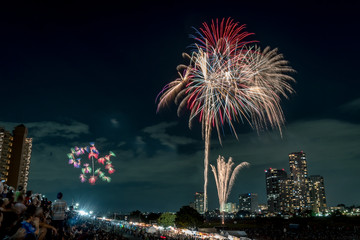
(249, 202)
(317, 193)
(199, 202)
(19, 164)
(230, 207)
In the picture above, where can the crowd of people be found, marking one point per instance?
(27, 215)
(24, 215)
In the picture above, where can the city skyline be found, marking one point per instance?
(315, 181)
(78, 73)
(297, 191)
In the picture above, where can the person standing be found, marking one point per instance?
(19, 192)
(19, 205)
(58, 209)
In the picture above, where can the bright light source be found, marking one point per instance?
(91, 212)
(83, 213)
(103, 218)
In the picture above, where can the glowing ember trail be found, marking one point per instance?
(225, 180)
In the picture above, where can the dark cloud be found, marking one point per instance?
(52, 129)
(352, 107)
(330, 146)
(114, 122)
(158, 132)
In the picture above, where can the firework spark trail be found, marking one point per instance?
(225, 178)
(229, 80)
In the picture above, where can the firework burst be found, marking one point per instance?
(229, 80)
(87, 169)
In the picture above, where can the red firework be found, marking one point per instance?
(224, 36)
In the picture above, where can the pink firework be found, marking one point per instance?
(77, 163)
(93, 152)
(111, 170)
(82, 178)
(101, 160)
(79, 151)
(92, 180)
(88, 168)
(73, 161)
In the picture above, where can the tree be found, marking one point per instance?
(152, 217)
(187, 217)
(167, 219)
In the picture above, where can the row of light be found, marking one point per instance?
(84, 213)
(176, 230)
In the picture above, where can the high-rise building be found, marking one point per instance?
(276, 182)
(285, 195)
(5, 153)
(317, 193)
(230, 207)
(296, 192)
(20, 158)
(249, 202)
(300, 197)
(25, 166)
(199, 202)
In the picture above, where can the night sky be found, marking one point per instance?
(80, 72)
